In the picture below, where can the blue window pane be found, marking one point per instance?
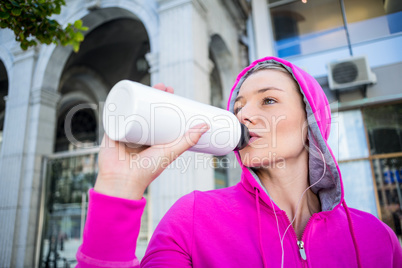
(395, 22)
(317, 26)
(388, 175)
(358, 186)
(288, 47)
(384, 128)
(303, 28)
(372, 19)
(348, 139)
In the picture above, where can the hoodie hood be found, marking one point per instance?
(322, 162)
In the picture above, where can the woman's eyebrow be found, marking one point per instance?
(260, 91)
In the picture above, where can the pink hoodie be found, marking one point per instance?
(238, 226)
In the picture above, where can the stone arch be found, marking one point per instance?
(220, 79)
(52, 59)
(6, 58)
(55, 68)
(225, 66)
(4, 85)
(223, 60)
(95, 87)
(81, 85)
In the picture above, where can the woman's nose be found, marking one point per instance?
(247, 115)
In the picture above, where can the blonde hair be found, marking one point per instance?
(268, 66)
(276, 67)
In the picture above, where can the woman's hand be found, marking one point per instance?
(120, 173)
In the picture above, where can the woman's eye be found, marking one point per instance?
(264, 101)
(268, 101)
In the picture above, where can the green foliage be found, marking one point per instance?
(31, 23)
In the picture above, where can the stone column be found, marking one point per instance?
(40, 141)
(263, 35)
(184, 65)
(13, 151)
(20, 163)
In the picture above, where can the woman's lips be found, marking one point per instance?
(252, 139)
(253, 136)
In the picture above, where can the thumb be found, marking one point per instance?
(179, 146)
(191, 138)
(169, 152)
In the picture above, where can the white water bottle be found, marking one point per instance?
(139, 114)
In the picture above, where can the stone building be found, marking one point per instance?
(198, 47)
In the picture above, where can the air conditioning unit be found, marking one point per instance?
(349, 73)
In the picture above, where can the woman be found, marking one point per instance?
(287, 211)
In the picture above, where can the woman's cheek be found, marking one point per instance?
(282, 131)
(287, 137)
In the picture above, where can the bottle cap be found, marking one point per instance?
(244, 138)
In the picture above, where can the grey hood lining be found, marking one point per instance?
(329, 189)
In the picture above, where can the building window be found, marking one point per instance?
(349, 145)
(383, 18)
(303, 28)
(384, 129)
(68, 179)
(368, 146)
(317, 25)
(221, 171)
(83, 126)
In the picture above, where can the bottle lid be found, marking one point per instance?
(244, 138)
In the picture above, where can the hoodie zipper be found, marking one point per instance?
(300, 243)
(301, 249)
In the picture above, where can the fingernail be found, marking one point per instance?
(199, 128)
(204, 128)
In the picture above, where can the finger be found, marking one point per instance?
(135, 148)
(162, 155)
(160, 86)
(189, 139)
(192, 136)
(170, 90)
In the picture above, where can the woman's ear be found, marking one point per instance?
(306, 143)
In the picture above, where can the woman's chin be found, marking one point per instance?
(255, 158)
(259, 165)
